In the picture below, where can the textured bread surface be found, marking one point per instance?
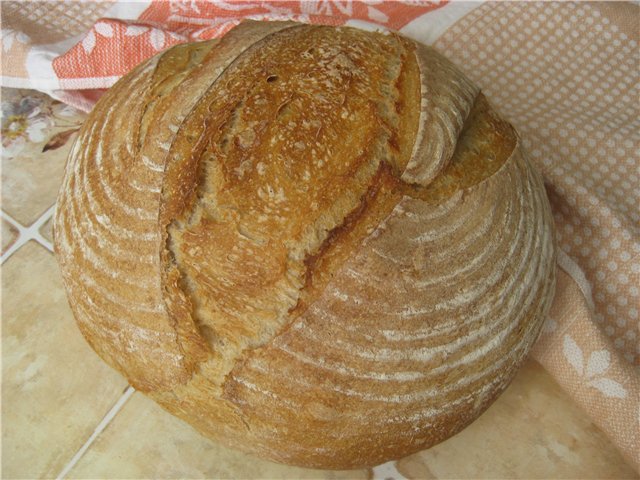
(316, 244)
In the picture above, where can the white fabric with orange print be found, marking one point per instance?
(119, 35)
(567, 75)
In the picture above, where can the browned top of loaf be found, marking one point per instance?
(282, 168)
(274, 165)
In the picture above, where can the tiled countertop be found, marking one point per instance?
(65, 413)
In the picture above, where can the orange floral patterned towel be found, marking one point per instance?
(67, 45)
(567, 75)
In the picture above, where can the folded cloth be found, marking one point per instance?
(565, 74)
(69, 48)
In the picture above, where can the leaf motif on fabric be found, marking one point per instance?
(89, 42)
(135, 30)
(573, 354)
(598, 363)
(104, 29)
(156, 38)
(609, 388)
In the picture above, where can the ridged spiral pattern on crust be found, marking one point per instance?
(376, 300)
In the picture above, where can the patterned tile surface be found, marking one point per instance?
(47, 231)
(55, 390)
(65, 412)
(150, 443)
(33, 122)
(9, 235)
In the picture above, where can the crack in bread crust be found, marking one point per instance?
(469, 166)
(270, 147)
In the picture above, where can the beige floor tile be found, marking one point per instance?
(144, 441)
(55, 390)
(30, 177)
(46, 230)
(532, 431)
(9, 235)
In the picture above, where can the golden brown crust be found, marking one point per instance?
(318, 245)
(106, 219)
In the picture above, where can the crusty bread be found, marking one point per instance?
(318, 245)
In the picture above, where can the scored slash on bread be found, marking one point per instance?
(318, 245)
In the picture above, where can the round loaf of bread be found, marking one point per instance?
(319, 245)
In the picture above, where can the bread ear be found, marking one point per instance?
(446, 98)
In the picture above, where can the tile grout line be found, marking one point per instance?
(32, 232)
(25, 234)
(386, 471)
(99, 429)
(22, 235)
